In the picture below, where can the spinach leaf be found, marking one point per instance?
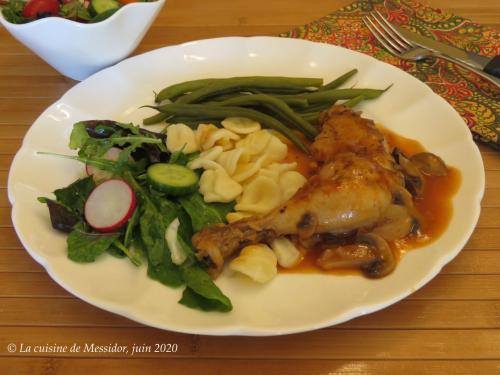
(157, 215)
(73, 196)
(166, 273)
(203, 214)
(223, 209)
(61, 217)
(85, 246)
(201, 292)
(131, 225)
(153, 223)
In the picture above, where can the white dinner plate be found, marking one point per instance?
(290, 302)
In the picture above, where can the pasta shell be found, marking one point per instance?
(255, 143)
(276, 169)
(230, 160)
(207, 181)
(225, 187)
(206, 159)
(287, 254)
(257, 262)
(240, 125)
(290, 182)
(221, 137)
(238, 215)
(203, 131)
(181, 137)
(260, 196)
(217, 186)
(275, 151)
(245, 171)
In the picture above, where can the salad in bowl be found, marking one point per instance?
(78, 37)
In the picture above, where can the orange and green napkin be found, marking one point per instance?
(475, 99)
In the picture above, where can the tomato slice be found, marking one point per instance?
(41, 8)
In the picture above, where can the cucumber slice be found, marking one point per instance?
(104, 15)
(172, 179)
(101, 6)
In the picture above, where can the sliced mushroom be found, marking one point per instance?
(384, 263)
(348, 256)
(429, 164)
(371, 254)
(397, 223)
(414, 181)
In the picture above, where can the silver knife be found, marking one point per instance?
(486, 64)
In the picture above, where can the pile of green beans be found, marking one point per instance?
(284, 104)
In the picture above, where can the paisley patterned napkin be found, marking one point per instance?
(475, 99)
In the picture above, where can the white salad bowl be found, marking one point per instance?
(78, 50)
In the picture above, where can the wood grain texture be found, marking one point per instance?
(450, 326)
(168, 366)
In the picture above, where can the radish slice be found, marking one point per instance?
(112, 154)
(110, 205)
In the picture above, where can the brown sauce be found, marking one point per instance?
(434, 206)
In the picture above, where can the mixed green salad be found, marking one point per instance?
(85, 11)
(140, 202)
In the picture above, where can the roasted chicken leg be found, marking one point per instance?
(358, 190)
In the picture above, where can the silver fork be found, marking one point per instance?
(405, 49)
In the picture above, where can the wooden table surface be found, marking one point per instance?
(451, 326)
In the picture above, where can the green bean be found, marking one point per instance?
(275, 105)
(287, 84)
(338, 81)
(312, 117)
(331, 95)
(354, 101)
(318, 107)
(155, 119)
(221, 112)
(173, 91)
(292, 102)
(242, 83)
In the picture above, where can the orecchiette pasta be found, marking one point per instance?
(177, 254)
(238, 215)
(255, 143)
(276, 169)
(203, 131)
(220, 137)
(181, 137)
(289, 183)
(240, 125)
(217, 186)
(274, 151)
(260, 196)
(230, 160)
(287, 254)
(206, 159)
(245, 171)
(257, 262)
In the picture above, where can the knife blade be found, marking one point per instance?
(486, 64)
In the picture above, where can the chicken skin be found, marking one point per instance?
(357, 190)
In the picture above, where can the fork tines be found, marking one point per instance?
(386, 34)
